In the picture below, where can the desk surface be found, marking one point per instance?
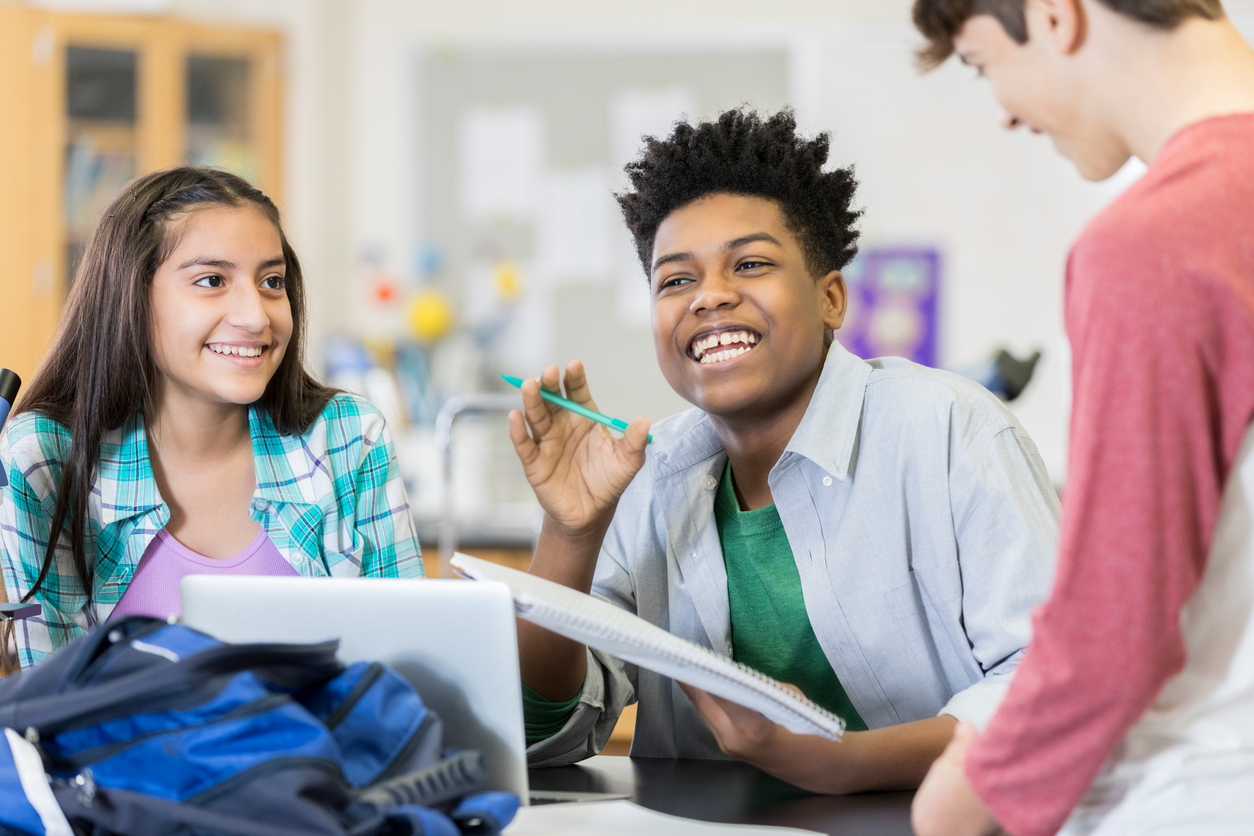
(733, 792)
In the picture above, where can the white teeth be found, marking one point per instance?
(236, 350)
(720, 356)
(702, 345)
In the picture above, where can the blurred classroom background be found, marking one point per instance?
(446, 172)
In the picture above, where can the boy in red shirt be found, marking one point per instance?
(1133, 711)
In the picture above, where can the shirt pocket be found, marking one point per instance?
(940, 587)
(904, 600)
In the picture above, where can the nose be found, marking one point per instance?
(1008, 120)
(715, 290)
(248, 309)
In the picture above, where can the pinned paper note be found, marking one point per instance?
(500, 161)
(575, 222)
(636, 112)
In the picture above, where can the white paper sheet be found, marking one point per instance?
(622, 818)
(500, 161)
(575, 220)
(646, 111)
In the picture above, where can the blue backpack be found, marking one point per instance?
(142, 728)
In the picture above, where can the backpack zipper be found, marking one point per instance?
(199, 668)
(373, 672)
(221, 788)
(394, 767)
(98, 753)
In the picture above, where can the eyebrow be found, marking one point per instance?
(223, 264)
(733, 244)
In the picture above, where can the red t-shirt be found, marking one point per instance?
(1160, 313)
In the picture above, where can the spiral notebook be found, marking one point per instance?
(615, 631)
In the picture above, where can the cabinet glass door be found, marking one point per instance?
(218, 129)
(101, 138)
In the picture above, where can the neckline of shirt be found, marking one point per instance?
(184, 552)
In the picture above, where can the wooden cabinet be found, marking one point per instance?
(86, 103)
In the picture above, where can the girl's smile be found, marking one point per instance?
(221, 318)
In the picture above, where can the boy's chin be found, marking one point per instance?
(727, 402)
(1095, 164)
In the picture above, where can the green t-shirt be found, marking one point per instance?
(544, 718)
(770, 628)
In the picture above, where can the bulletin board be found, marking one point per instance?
(893, 303)
(519, 156)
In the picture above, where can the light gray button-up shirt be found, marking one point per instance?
(924, 528)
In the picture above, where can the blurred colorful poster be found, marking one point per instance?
(893, 303)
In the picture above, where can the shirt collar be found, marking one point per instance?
(128, 488)
(125, 480)
(827, 434)
(286, 466)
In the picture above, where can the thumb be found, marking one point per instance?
(637, 435)
(965, 735)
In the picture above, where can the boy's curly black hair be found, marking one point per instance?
(744, 155)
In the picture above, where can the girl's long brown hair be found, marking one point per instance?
(100, 371)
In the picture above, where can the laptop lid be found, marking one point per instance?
(454, 641)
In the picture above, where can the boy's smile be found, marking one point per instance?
(739, 324)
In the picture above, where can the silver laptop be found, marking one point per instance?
(453, 640)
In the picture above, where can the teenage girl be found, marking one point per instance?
(172, 428)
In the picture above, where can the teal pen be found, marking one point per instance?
(591, 415)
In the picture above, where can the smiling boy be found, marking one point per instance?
(872, 532)
(1133, 712)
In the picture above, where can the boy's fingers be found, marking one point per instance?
(576, 384)
(794, 689)
(523, 445)
(701, 701)
(964, 738)
(550, 379)
(536, 410)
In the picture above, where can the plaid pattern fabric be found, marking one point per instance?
(331, 500)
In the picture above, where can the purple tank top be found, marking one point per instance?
(154, 589)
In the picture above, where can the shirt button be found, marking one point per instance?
(260, 504)
(710, 482)
(827, 481)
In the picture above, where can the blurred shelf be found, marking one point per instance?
(89, 102)
(514, 558)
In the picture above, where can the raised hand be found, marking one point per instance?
(576, 467)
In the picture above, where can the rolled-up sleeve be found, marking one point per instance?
(1005, 515)
(609, 684)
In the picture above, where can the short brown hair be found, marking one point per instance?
(940, 20)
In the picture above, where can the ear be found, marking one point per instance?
(1061, 22)
(834, 299)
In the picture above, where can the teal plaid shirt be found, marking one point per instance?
(331, 500)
